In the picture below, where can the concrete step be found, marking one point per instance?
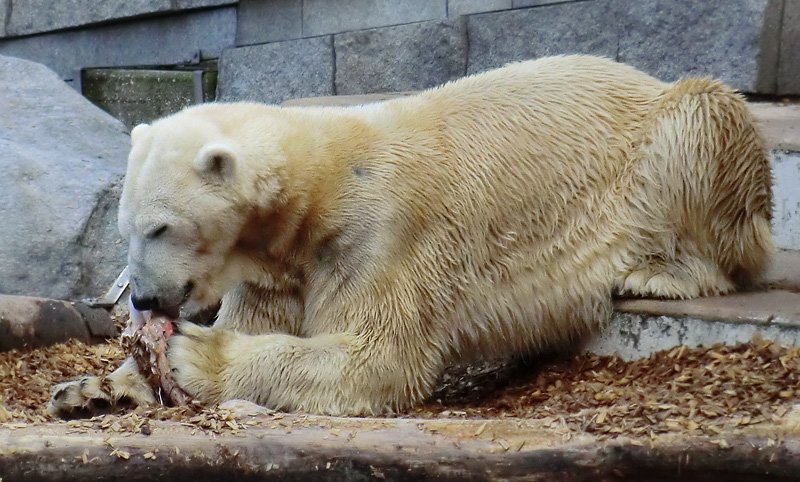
(781, 124)
(641, 327)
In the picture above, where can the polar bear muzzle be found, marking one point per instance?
(159, 301)
(153, 285)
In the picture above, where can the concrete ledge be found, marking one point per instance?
(641, 327)
(780, 123)
(632, 336)
(783, 271)
(786, 197)
(344, 100)
(758, 308)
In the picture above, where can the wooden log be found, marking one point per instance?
(32, 322)
(325, 448)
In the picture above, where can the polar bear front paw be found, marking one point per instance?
(198, 357)
(90, 396)
(84, 396)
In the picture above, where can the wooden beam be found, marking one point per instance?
(312, 448)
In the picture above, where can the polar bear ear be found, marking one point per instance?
(138, 132)
(217, 161)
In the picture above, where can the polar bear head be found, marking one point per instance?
(187, 196)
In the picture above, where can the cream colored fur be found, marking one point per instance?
(358, 251)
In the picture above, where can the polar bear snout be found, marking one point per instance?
(150, 296)
(145, 304)
(161, 276)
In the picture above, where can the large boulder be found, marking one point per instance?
(61, 164)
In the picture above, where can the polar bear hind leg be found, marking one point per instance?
(705, 170)
(682, 276)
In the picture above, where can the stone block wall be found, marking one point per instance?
(274, 50)
(789, 65)
(382, 45)
(26, 17)
(72, 35)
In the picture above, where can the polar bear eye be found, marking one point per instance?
(157, 232)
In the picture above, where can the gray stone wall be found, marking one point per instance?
(383, 46)
(498, 38)
(363, 46)
(789, 65)
(274, 72)
(406, 57)
(26, 17)
(151, 41)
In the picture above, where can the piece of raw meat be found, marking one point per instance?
(145, 339)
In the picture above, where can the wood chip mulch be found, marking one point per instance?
(27, 375)
(686, 390)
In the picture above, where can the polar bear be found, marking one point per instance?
(357, 251)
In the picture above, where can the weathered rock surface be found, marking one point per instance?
(33, 322)
(734, 40)
(273, 73)
(61, 163)
(738, 41)
(33, 16)
(3, 16)
(569, 28)
(789, 66)
(467, 7)
(408, 57)
(258, 21)
(26, 17)
(170, 40)
(334, 16)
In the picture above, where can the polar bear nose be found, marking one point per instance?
(145, 304)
